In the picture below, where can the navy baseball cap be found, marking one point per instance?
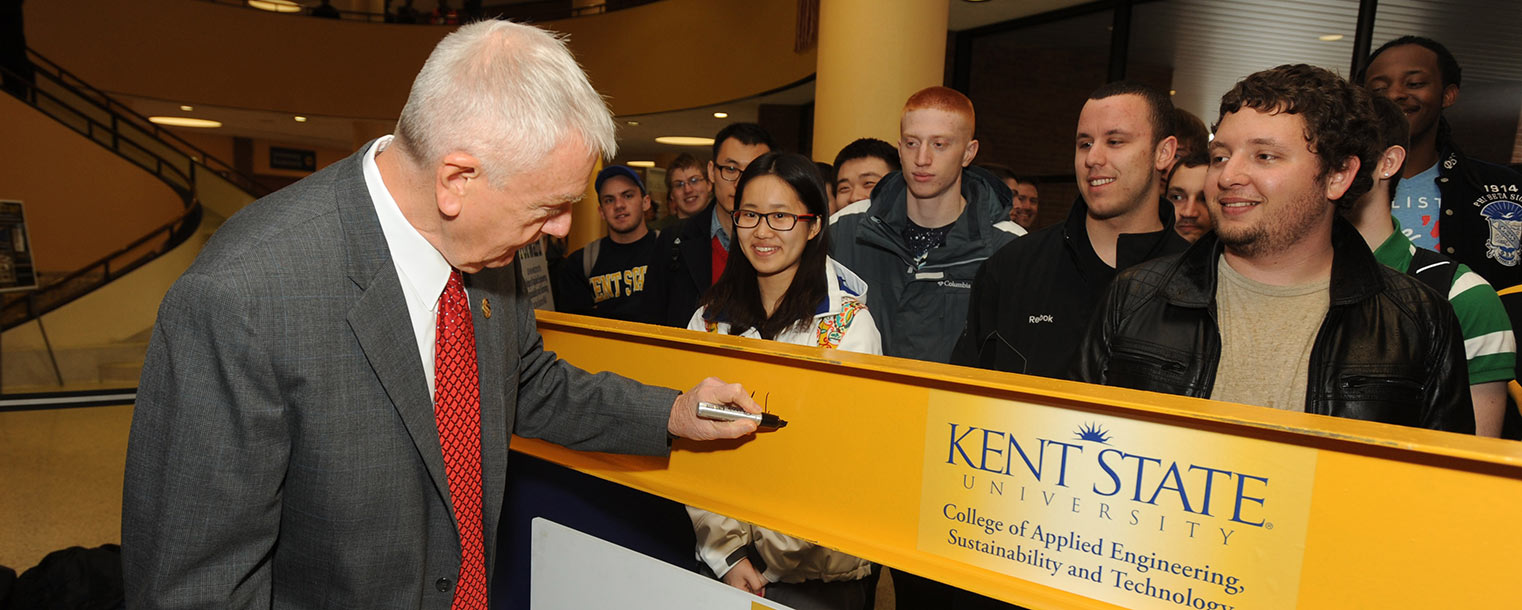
(618, 170)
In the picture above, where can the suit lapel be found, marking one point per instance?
(495, 289)
(382, 325)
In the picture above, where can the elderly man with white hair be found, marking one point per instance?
(324, 413)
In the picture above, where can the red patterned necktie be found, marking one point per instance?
(457, 406)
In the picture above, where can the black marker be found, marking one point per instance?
(708, 410)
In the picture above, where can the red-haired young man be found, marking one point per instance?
(920, 238)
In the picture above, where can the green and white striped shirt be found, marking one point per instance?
(1489, 345)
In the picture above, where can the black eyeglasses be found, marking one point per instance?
(778, 221)
(729, 173)
(692, 182)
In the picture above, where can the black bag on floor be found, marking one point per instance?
(74, 578)
(7, 582)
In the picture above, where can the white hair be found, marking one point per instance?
(506, 93)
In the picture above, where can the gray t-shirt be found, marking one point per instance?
(1267, 333)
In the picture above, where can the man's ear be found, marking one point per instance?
(1450, 95)
(1390, 162)
(1165, 153)
(457, 177)
(1337, 182)
(972, 152)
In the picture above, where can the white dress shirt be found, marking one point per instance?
(421, 268)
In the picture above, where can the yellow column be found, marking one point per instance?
(586, 223)
(872, 56)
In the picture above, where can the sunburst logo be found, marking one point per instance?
(1093, 432)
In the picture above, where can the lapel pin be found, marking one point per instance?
(486, 308)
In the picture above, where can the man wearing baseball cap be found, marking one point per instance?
(607, 278)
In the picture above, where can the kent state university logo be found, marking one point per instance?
(1131, 512)
(1093, 475)
(1505, 219)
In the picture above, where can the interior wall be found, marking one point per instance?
(199, 52)
(1484, 120)
(1028, 87)
(261, 158)
(216, 145)
(82, 201)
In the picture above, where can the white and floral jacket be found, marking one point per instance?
(842, 322)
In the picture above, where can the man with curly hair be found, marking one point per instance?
(1284, 306)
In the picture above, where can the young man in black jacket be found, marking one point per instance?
(1463, 207)
(1033, 298)
(1284, 306)
(691, 255)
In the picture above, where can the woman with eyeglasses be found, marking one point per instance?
(785, 288)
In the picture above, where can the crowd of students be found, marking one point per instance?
(1328, 249)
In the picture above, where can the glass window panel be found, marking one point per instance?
(1212, 44)
(1482, 35)
(1028, 85)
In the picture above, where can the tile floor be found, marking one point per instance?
(60, 480)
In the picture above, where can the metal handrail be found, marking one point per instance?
(174, 232)
(515, 11)
(106, 103)
(161, 165)
(36, 303)
(104, 262)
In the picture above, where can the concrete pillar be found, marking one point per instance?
(872, 56)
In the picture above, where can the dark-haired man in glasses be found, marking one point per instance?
(691, 256)
(688, 191)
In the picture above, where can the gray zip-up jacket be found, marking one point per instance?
(920, 306)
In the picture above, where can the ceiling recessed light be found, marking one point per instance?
(183, 121)
(721, 115)
(685, 141)
(1330, 37)
(186, 108)
(632, 123)
(276, 6)
(641, 164)
(300, 119)
(1173, 92)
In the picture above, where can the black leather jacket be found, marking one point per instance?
(1389, 349)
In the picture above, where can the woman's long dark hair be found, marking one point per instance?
(736, 297)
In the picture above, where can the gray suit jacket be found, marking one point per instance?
(284, 451)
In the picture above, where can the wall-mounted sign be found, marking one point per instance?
(17, 272)
(293, 158)
(1134, 513)
(534, 274)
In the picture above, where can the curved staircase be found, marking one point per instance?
(88, 328)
